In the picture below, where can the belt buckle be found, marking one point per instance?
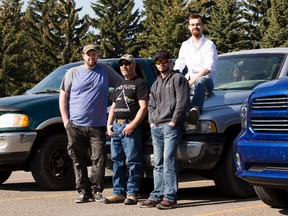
(120, 121)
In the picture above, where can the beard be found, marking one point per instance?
(125, 73)
(91, 63)
(196, 33)
(164, 69)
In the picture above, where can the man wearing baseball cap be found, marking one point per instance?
(162, 54)
(127, 57)
(89, 47)
(83, 105)
(124, 125)
(168, 104)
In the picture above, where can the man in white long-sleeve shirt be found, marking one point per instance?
(199, 54)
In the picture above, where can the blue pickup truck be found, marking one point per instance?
(261, 149)
(32, 136)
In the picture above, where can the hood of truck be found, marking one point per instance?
(272, 85)
(21, 102)
(226, 98)
(38, 107)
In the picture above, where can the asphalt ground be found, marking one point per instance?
(20, 195)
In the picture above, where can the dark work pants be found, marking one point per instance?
(80, 140)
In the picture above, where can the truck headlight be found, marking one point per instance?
(203, 127)
(13, 120)
(243, 115)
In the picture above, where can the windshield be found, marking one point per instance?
(246, 71)
(51, 83)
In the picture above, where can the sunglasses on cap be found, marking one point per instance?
(161, 61)
(121, 63)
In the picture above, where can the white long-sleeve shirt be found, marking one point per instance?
(197, 57)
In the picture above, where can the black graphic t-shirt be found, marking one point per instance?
(126, 96)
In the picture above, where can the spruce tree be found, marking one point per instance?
(56, 32)
(117, 27)
(14, 71)
(226, 28)
(164, 26)
(202, 7)
(70, 31)
(277, 31)
(254, 13)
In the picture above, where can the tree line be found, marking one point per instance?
(49, 33)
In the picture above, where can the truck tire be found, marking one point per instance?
(227, 182)
(4, 175)
(51, 166)
(273, 197)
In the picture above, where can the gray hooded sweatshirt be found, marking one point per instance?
(169, 99)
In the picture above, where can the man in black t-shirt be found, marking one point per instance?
(129, 108)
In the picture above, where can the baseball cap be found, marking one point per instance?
(162, 54)
(127, 57)
(89, 47)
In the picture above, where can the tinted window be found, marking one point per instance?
(51, 83)
(247, 71)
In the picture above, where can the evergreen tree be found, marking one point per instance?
(277, 31)
(56, 32)
(226, 28)
(14, 73)
(118, 27)
(254, 12)
(71, 30)
(164, 26)
(37, 20)
(202, 7)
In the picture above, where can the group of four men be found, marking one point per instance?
(83, 105)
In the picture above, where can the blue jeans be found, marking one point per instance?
(202, 85)
(126, 147)
(165, 141)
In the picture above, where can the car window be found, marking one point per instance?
(245, 71)
(51, 83)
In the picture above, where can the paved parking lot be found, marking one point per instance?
(197, 197)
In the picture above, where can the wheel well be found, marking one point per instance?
(231, 133)
(43, 134)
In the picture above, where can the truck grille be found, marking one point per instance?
(271, 120)
(270, 103)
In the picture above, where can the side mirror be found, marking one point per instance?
(111, 89)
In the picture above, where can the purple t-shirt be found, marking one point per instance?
(88, 94)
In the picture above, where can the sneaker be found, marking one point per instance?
(83, 198)
(131, 200)
(98, 197)
(193, 116)
(114, 199)
(147, 203)
(165, 204)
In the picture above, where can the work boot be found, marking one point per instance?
(147, 203)
(131, 200)
(114, 199)
(165, 204)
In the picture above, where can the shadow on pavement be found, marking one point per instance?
(32, 186)
(201, 196)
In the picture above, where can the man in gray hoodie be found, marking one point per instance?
(168, 104)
